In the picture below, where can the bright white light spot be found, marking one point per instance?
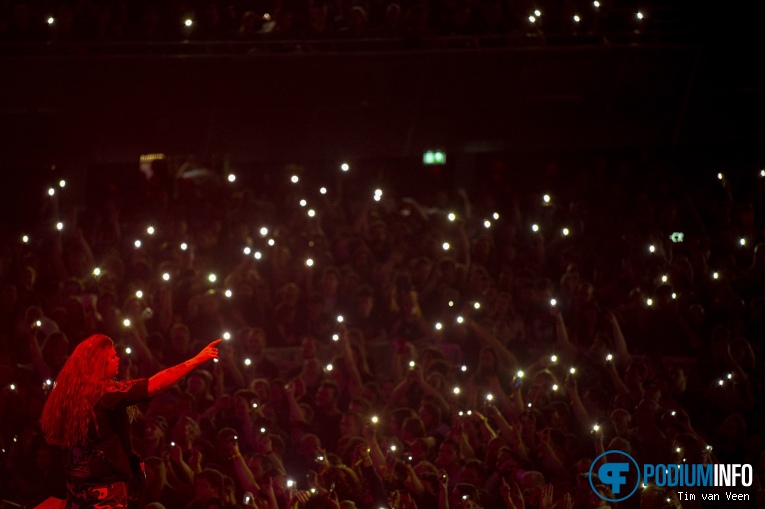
(335, 337)
(596, 427)
(477, 305)
(664, 278)
(340, 319)
(463, 368)
(489, 397)
(456, 390)
(247, 250)
(537, 12)
(294, 179)
(226, 336)
(639, 15)
(520, 374)
(572, 371)
(59, 226)
(674, 295)
(323, 190)
(565, 232)
(762, 173)
(545, 198)
(51, 191)
(495, 216)
(271, 242)
(231, 177)
(25, 239)
(257, 255)
(649, 302)
(555, 387)
(184, 246)
(742, 241)
(62, 183)
(487, 224)
(51, 21)
(139, 294)
(212, 277)
(553, 302)
(439, 326)
(715, 275)
(577, 19)
(330, 367)
(596, 4)
(96, 271)
(730, 376)
(48, 382)
(345, 167)
(532, 19)
(451, 303)
(721, 382)
(228, 294)
(719, 176)
(411, 364)
(303, 203)
(535, 227)
(150, 230)
(452, 216)
(609, 357)
(126, 322)
(13, 388)
(137, 244)
(651, 248)
(166, 276)
(247, 362)
(188, 22)
(311, 212)
(460, 319)
(309, 262)
(378, 192)
(553, 358)
(445, 245)
(128, 350)
(263, 231)
(377, 197)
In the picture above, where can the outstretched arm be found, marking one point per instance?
(168, 377)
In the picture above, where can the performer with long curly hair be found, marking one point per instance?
(88, 412)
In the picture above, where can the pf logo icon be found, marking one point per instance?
(617, 470)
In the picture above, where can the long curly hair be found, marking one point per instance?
(82, 381)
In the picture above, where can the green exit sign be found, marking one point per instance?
(434, 157)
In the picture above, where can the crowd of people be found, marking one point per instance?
(120, 21)
(468, 348)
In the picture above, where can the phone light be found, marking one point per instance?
(411, 364)
(137, 244)
(62, 183)
(263, 430)
(456, 390)
(545, 198)
(51, 191)
(188, 22)
(445, 246)
(340, 318)
(247, 250)
(452, 216)
(742, 241)
(290, 483)
(311, 213)
(538, 13)
(451, 303)
(649, 302)
(652, 248)
(96, 271)
(664, 278)
(38, 323)
(212, 277)
(596, 427)
(553, 302)
(762, 173)
(335, 337)
(489, 397)
(166, 276)
(730, 376)
(715, 275)
(495, 216)
(263, 231)
(345, 167)
(487, 224)
(226, 335)
(247, 361)
(48, 382)
(172, 444)
(25, 239)
(303, 203)
(555, 387)
(553, 358)
(330, 367)
(439, 326)
(257, 255)
(477, 305)
(463, 368)
(721, 381)
(126, 322)
(59, 226)
(639, 15)
(565, 232)
(323, 190)
(150, 230)
(139, 294)
(375, 419)
(720, 176)
(128, 350)
(535, 227)
(393, 448)
(596, 4)
(460, 319)
(577, 19)
(572, 371)
(271, 242)
(231, 178)
(309, 262)
(51, 20)
(673, 413)
(609, 358)
(184, 246)
(532, 19)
